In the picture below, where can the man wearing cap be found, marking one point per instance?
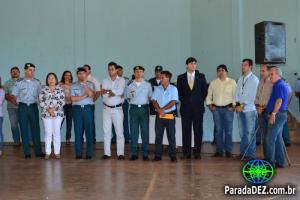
(221, 100)
(246, 110)
(277, 109)
(164, 100)
(155, 82)
(261, 100)
(112, 91)
(26, 92)
(97, 84)
(139, 93)
(82, 96)
(12, 105)
(192, 89)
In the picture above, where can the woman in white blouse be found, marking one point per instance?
(52, 100)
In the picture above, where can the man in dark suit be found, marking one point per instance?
(155, 81)
(192, 89)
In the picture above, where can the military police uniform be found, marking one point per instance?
(138, 94)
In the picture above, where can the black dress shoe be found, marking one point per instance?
(78, 157)
(156, 158)
(228, 155)
(41, 155)
(173, 159)
(27, 156)
(88, 157)
(133, 157)
(121, 157)
(127, 141)
(218, 155)
(145, 158)
(258, 143)
(105, 157)
(197, 157)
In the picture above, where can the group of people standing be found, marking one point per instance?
(75, 102)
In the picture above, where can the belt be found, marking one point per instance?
(227, 106)
(139, 105)
(27, 104)
(82, 106)
(119, 105)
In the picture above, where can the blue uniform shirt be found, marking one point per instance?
(77, 89)
(163, 97)
(27, 91)
(280, 91)
(139, 94)
(8, 86)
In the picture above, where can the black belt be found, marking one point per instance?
(227, 106)
(119, 105)
(27, 104)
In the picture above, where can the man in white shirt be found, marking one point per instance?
(112, 92)
(96, 96)
(221, 100)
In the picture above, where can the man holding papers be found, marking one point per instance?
(164, 100)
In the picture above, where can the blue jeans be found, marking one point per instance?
(1, 134)
(223, 119)
(14, 123)
(83, 119)
(274, 145)
(247, 121)
(160, 125)
(263, 128)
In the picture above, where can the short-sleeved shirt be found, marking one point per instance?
(263, 93)
(280, 91)
(77, 89)
(8, 86)
(139, 93)
(27, 91)
(165, 96)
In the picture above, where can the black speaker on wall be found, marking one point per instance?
(270, 43)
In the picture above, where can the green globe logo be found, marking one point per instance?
(258, 171)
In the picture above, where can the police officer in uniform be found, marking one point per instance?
(139, 93)
(26, 93)
(82, 95)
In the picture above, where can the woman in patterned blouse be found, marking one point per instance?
(52, 100)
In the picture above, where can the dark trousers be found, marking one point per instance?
(83, 123)
(68, 116)
(189, 119)
(160, 125)
(29, 120)
(139, 120)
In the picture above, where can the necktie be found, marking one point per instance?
(191, 82)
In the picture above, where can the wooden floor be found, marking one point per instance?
(116, 180)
